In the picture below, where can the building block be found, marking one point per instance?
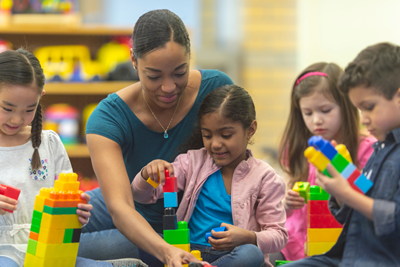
(342, 150)
(279, 263)
(33, 236)
(68, 236)
(352, 178)
(348, 170)
(76, 235)
(323, 235)
(339, 162)
(11, 192)
(218, 229)
(178, 236)
(171, 200)
(34, 261)
(171, 183)
(53, 251)
(322, 145)
(67, 182)
(60, 221)
(32, 244)
(316, 248)
(318, 207)
(169, 219)
(51, 236)
(185, 247)
(303, 189)
(152, 183)
(363, 183)
(316, 158)
(55, 211)
(317, 193)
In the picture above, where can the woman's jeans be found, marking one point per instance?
(245, 255)
(100, 239)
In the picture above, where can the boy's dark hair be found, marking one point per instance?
(376, 67)
(23, 68)
(156, 28)
(232, 101)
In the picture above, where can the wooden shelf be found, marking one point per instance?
(57, 30)
(95, 88)
(78, 151)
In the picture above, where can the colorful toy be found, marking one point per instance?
(11, 192)
(302, 188)
(279, 263)
(218, 229)
(55, 230)
(63, 119)
(175, 234)
(320, 153)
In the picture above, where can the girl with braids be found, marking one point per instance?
(224, 185)
(30, 158)
(318, 107)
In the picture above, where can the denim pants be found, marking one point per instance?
(80, 262)
(316, 261)
(245, 255)
(100, 239)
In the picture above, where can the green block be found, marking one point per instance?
(304, 187)
(68, 235)
(339, 162)
(317, 193)
(279, 263)
(179, 236)
(36, 221)
(35, 228)
(32, 244)
(37, 214)
(59, 211)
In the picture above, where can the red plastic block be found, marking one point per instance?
(318, 207)
(322, 221)
(171, 183)
(336, 224)
(11, 192)
(352, 178)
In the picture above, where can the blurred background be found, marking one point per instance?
(261, 44)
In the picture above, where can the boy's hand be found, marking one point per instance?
(234, 236)
(7, 203)
(157, 168)
(336, 186)
(293, 200)
(84, 210)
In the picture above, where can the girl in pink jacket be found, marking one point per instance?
(224, 185)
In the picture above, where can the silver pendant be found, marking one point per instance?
(165, 135)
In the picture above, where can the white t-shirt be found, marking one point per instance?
(15, 170)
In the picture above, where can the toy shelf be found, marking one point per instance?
(78, 151)
(94, 88)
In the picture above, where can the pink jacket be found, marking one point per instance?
(256, 195)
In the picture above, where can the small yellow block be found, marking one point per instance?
(34, 261)
(344, 152)
(54, 251)
(316, 158)
(323, 234)
(60, 221)
(51, 236)
(316, 248)
(197, 254)
(153, 184)
(185, 247)
(66, 186)
(39, 203)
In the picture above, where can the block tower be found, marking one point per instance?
(175, 233)
(320, 153)
(55, 230)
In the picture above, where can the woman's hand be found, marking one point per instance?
(156, 171)
(84, 209)
(7, 203)
(335, 186)
(176, 257)
(293, 201)
(234, 236)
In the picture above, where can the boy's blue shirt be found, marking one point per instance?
(374, 243)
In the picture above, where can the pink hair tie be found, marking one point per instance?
(315, 73)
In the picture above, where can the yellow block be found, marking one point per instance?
(54, 251)
(60, 221)
(344, 152)
(39, 203)
(316, 158)
(196, 254)
(35, 261)
(66, 186)
(51, 236)
(323, 234)
(316, 248)
(185, 247)
(153, 184)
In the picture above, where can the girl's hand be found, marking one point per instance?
(84, 210)
(233, 237)
(156, 171)
(335, 186)
(293, 200)
(7, 203)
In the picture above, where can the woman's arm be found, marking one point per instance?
(108, 164)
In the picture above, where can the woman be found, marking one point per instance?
(142, 122)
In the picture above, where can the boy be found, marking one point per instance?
(371, 231)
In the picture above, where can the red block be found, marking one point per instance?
(318, 207)
(11, 192)
(352, 179)
(319, 221)
(171, 183)
(336, 224)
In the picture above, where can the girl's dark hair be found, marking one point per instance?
(156, 28)
(232, 101)
(23, 68)
(376, 67)
(296, 134)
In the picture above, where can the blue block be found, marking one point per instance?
(218, 229)
(171, 200)
(348, 170)
(323, 145)
(363, 183)
(208, 234)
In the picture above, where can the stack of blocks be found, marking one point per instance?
(320, 153)
(175, 234)
(55, 230)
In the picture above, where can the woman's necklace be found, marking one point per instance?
(165, 129)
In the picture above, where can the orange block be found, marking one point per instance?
(33, 235)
